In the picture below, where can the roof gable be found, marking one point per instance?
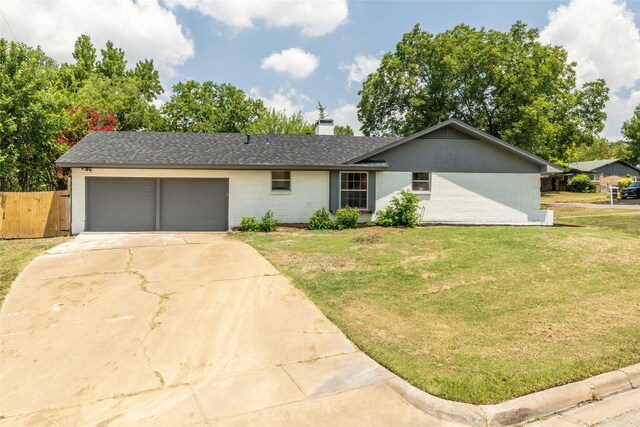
(461, 127)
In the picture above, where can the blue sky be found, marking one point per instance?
(293, 53)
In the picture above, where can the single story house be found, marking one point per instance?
(165, 181)
(606, 172)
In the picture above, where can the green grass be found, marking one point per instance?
(569, 197)
(16, 254)
(626, 221)
(476, 314)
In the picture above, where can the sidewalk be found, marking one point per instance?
(620, 410)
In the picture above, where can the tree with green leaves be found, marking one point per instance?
(343, 130)
(602, 149)
(210, 107)
(273, 121)
(32, 111)
(631, 131)
(110, 88)
(113, 64)
(322, 111)
(505, 83)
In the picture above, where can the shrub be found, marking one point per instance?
(403, 211)
(406, 208)
(249, 223)
(320, 220)
(624, 182)
(387, 217)
(347, 218)
(267, 222)
(581, 183)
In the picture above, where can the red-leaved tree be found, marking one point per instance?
(83, 120)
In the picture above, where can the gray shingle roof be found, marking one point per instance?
(591, 165)
(177, 149)
(595, 164)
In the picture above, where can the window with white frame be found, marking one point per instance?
(595, 177)
(421, 181)
(280, 181)
(353, 189)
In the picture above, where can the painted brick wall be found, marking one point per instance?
(249, 192)
(472, 198)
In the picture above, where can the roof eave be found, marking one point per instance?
(367, 167)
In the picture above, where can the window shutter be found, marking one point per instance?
(334, 190)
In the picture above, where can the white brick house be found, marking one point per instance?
(123, 181)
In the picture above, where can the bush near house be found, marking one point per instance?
(321, 220)
(266, 224)
(402, 211)
(249, 223)
(624, 182)
(347, 218)
(581, 183)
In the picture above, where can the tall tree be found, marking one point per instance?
(123, 98)
(322, 112)
(505, 83)
(210, 107)
(631, 131)
(31, 113)
(85, 55)
(148, 79)
(113, 64)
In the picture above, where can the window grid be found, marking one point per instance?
(353, 190)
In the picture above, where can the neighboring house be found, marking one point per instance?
(124, 181)
(606, 172)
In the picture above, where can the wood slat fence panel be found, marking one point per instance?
(34, 214)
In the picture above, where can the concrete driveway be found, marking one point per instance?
(189, 329)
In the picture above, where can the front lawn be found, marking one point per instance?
(16, 254)
(569, 197)
(627, 221)
(476, 314)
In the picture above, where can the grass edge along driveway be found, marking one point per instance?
(476, 314)
(16, 254)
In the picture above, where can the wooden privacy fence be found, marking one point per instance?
(33, 215)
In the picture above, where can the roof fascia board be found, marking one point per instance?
(368, 167)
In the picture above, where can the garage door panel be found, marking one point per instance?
(193, 205)
(121, 204)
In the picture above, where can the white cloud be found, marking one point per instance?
(285, 98)
(360, 68)
(345, 115)
(295, 62)
(143, 29)
(348, 115)
(602, 37)
(311, 17)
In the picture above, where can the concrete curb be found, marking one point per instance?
(525, 408)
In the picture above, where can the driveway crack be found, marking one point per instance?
(153, 323)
